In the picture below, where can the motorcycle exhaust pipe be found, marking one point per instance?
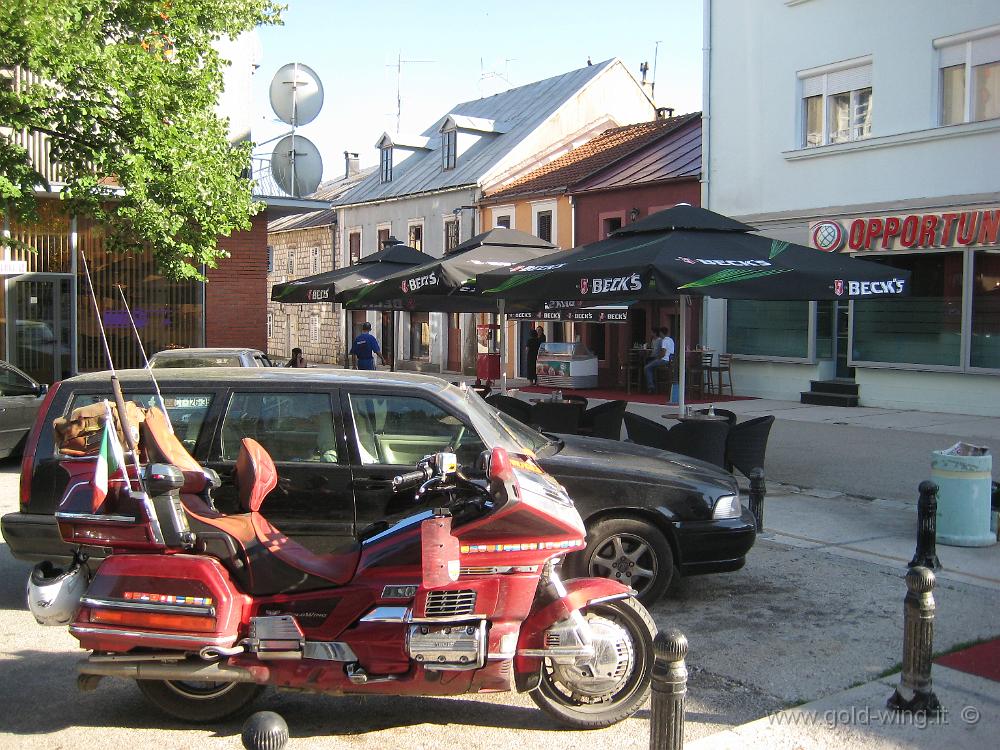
(188, 671)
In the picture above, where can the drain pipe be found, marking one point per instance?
(706, 101)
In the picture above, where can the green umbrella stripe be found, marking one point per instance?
(362, 293)
(777, 248)
(732, 275)
(629, 249)
(515, 281)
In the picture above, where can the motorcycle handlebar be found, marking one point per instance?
(411, 478)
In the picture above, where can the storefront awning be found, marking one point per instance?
(603, 314)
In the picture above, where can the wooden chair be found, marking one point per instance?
(635, 361)
(604, 420)
(724, 371)
(746, 444)
(699, 369)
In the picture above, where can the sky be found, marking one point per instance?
(472, 50)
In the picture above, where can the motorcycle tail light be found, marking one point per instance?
(99, 534)
(153, 620)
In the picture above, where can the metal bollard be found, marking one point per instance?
(757, 491)
(914, 694)
(926, 554)
(666, 724)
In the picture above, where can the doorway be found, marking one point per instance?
(843, 339)
(454, 363)
(40, 326)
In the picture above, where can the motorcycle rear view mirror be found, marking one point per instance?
(500, 467)
(446, 463)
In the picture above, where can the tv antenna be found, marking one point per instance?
(400, 62)
(296, 94)
(652, 86)
(485, 75)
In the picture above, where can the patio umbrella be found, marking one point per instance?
(687, 250)
(447, 284)
(323, 287)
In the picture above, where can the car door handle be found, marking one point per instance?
(372, 484)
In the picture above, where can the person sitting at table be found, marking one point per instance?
(654, 345)
(662, 358)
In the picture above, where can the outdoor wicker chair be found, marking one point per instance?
(729, 415)
(604, 420)
(705, 441)
(513, 407)
(550, 416)
(647, 432)
(747, 444)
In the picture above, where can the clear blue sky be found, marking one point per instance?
(476, 49)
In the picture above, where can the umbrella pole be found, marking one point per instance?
(395, 330)
(681, 356)
(502, 319)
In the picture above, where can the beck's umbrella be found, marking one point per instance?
(323, 287)
(687, 250)
(448, 284)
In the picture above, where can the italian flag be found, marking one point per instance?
(110, 460)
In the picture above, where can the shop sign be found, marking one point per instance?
(577, 316)
(907, 231)
(13, 267)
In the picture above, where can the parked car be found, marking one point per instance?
(20, 399)
(210, 357)
(338, 437)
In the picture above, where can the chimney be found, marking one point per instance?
(663, 113)
(351, 164)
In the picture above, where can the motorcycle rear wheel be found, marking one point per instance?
(563, 703)
(200, 702)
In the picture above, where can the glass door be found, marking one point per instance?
(39, 327)
(843, 326)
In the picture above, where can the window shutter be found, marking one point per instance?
(545, 225)
(849, 80)
(985, 50)
(953, 55)
(812, 86)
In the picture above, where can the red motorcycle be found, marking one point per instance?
(205, 610)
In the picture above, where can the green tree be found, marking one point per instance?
(126, 92)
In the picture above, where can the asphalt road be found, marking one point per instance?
(793, 625)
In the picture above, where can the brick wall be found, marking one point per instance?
(316, 327)
(236, 293)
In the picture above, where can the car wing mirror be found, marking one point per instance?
(42, 389)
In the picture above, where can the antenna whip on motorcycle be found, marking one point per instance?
(145, 359)
(116, 387)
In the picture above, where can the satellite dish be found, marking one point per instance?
(296, 165)
(296, 94)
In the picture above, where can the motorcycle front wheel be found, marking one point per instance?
(200, 702)
(569, 695)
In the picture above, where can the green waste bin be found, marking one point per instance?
(963, 474)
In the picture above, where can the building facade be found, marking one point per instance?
(845, 125)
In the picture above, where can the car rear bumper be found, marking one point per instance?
(34, 537)
(716, 546)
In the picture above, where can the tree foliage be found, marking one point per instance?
(126, 91)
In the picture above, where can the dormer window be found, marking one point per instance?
(449, 149)
(386, 164)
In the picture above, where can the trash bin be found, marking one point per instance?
(488, 366)
(963, 474)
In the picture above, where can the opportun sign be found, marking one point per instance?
(914, 231)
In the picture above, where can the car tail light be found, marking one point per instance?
(153, 620)
(28, 460)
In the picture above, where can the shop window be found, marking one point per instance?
(969, 80)
(416, 237)
(825, 312)
(922, 329)
(985, 347)
(837, 106)
(450, 234)
(420, 336)
(768, 329)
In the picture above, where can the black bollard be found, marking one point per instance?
(757, 491)
(264, 730)
(666, 723)
(914, 694)
(926, 554)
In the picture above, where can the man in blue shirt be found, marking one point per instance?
(365, 348)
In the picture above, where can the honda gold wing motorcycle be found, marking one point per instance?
(205, 610)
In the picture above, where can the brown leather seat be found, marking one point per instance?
(255, 478)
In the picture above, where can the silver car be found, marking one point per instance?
(20, 399)
(210, 357)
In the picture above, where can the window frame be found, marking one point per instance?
(386, 227)
(500, 212)
(961, 50)
(385, 164)
(349, 232)
(540, 207)
(410, 226)
(817, 83)
(447, 220)
(449, 149)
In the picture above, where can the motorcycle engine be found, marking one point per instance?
(448, 646)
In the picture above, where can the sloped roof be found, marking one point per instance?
(595, 155)
(327, 191)
(521, 110)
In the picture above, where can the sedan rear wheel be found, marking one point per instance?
(629, 551)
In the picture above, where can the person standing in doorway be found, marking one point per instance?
(532, 349)
(297, 360)
(365, 348)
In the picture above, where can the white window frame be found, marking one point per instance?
(538, 207)
(449, 149)
(423, 233)
(826, 82)
(499, 211)
(970, 49)
(385, 164)
(314, 261)
(445, 218)
(346, 243)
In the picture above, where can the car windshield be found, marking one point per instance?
(520, 433)
(196, 362)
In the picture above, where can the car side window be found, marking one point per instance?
(187, 412)
(13, 384)
(290, 426)
(400, 430)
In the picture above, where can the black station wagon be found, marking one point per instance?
(337, 438)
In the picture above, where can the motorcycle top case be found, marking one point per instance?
(181, 602)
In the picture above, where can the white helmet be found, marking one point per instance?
(54, 594)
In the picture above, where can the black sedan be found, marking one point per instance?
(338, 437)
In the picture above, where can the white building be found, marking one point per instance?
(426, 188)
(871, 128)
